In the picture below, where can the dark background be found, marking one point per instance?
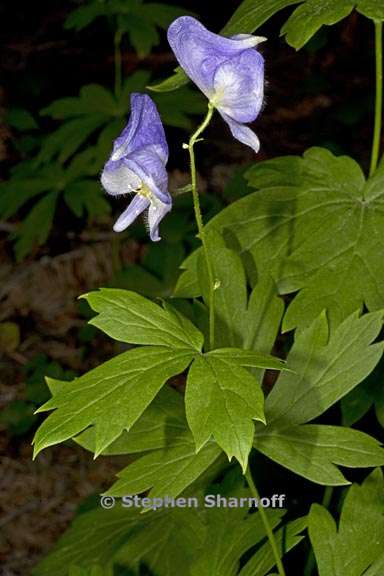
(322, 95)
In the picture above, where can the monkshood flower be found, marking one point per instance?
(137, 165)
(229, 71)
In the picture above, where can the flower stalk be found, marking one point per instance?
(379, 96)
(267, 526)
(199, 220)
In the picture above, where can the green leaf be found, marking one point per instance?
(248, 358)
(168, 544)
(286, 537)
(171, 464)
(355, 405)
(370, 392)
(85, 15)
(20, 119)
(122, 387)
(230, 294)
(92, 99)
(280, 230)
(168, 471)
(177, 80)
(94, 571)
(35, 228)
(188, 284)
(310, 16)
(373, 9)
(261, 320)
(161, 424)
(175, 107)
(222, 399)
(376, 568)
(357, 543)
(142, 33)
(250, 15)
(312, 450)
(86, 196)
(129, 317)
(64, 142)
(138, 279)
(230, 533)
(324, 370)
(16, 191)
(263, 316)
(93, 538)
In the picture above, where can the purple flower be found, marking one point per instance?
(229, 71)
(137, 165)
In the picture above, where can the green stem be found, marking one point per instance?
(379, 96)
(267, 526)
(199, 220)
(118, 72)
(311, 562)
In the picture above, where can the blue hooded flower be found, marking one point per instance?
(229, 71)
(137, 165)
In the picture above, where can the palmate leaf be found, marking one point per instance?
(324, 368)
(86, 196)
(311, 15)
(222, 399)
(168, 544)
(48, 182)
(323, 371)
(35, 228)
(286, 537)
(67, 139)
(168, 471)
(129, 317)
(169, 463)
(314, 451)
(138, 18)
(251, 323)
(230, 295)
(230, 533)
(369, 393)
(97, 111)
(356, 547)
(172, 541)
(27, 181)
(93, 538)
(162, 424)
(142, 21)
(111, 397)
(280, 229)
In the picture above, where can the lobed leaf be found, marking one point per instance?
(222, 399)
(129, 317)
(280, 230)
(168, 471)
(356, 546)
(286, 537)
(313, 451)
(324, 370)
(110, 397)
